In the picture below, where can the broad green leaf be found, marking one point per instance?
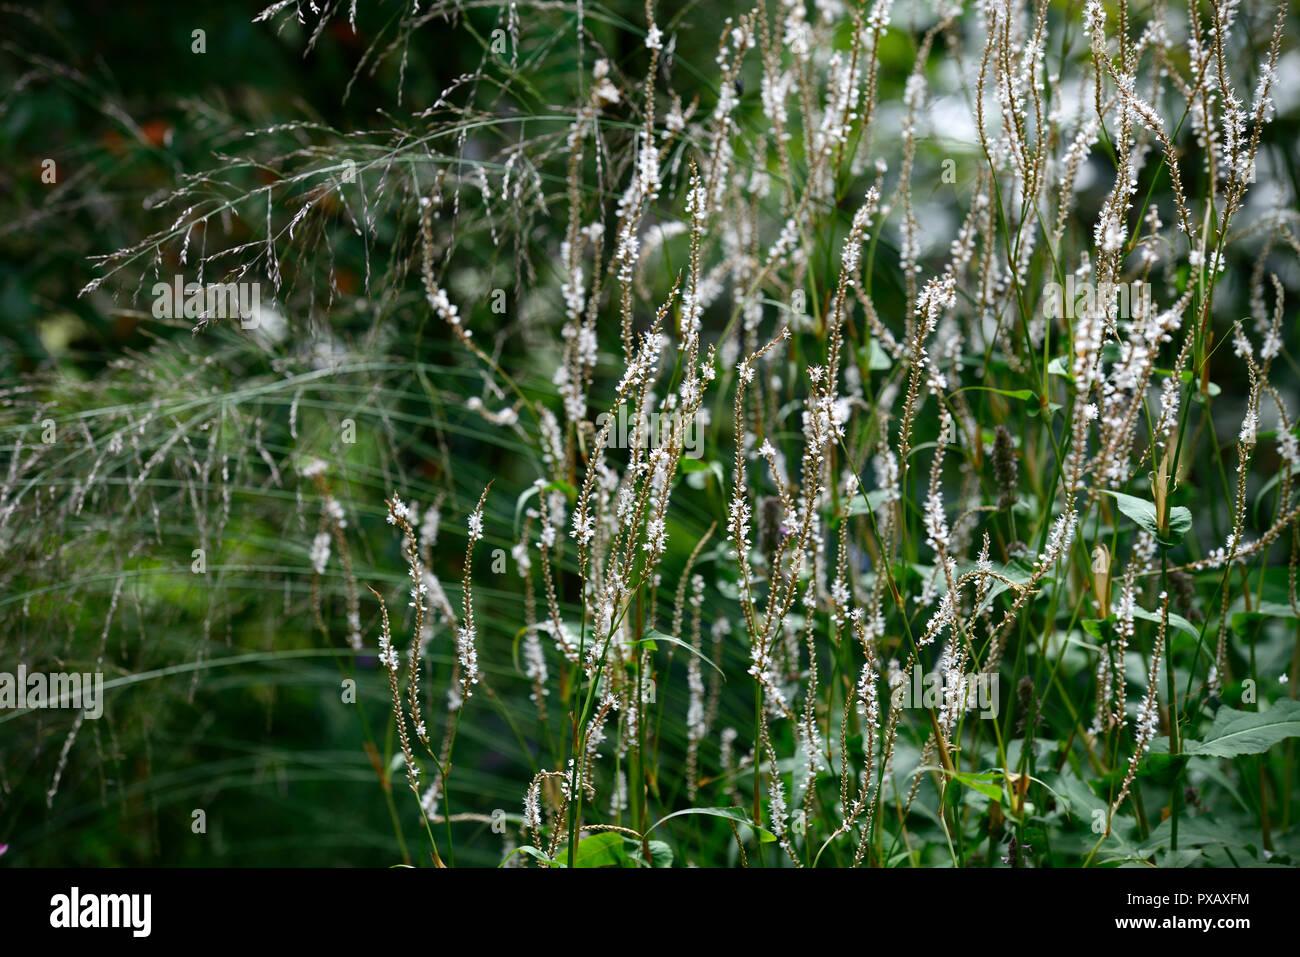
(1180, 520)
(661, 855)
(988, 783)
(1143, 512)
(1248, 732)
(1139, 509)
(1194, 830)
(1179, 859)
(1091, 811)
(1093, 626)
(865, 504)
(1266, 609)
(1080, 800)
(600, 850)
(1011, 571)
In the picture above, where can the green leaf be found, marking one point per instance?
(1058, 367)
(570, 492)
(696, 470)
(654, 637)
(1248, 732)
(989, 783)
(1080, 800)
(1138, 509)
(600, 850)
(1180, 520)
(1186, 378)
(1012, 572)
(689, 464)
(879, 360)
(1162, 765)
(1024, 395)
(1093, 626)
(866, 504)
(1179, 859)
(1266, 609)
(730, 813)
(1176, 620)
(1193, 831)
(533, 853)
(1143, 512)
(661, 855)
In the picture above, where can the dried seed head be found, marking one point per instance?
(1028, 705)
(1185, 594)
(1005, 469)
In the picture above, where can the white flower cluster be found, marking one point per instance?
(446, 309)
(320, 552)
(468, 657)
